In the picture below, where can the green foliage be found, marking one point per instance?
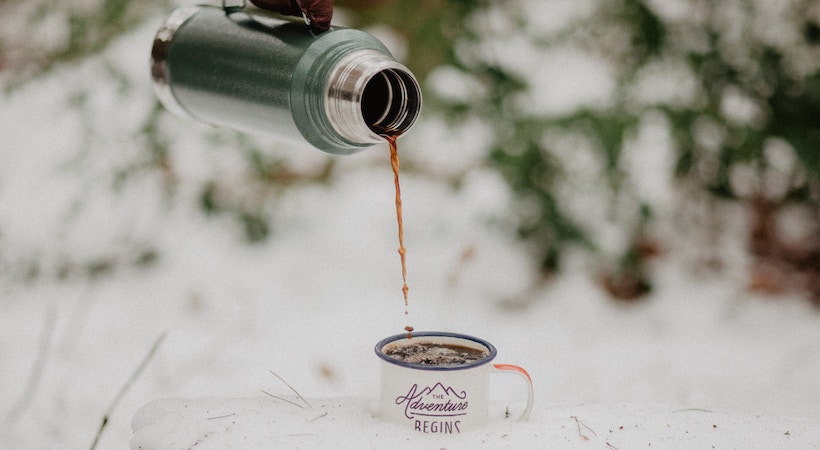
(265, 179)
(752, 73)
(746, 107)
(431, 28)
(89, 28)
(531, 173)
(784, 105)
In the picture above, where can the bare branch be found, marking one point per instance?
(127, 386)
(27, 395)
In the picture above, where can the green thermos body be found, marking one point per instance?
(339, 90)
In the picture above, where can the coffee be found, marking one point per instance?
(394, 163)
(434, 354)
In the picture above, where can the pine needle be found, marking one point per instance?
(291, 388)
(283, 399)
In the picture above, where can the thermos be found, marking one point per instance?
(339, 90)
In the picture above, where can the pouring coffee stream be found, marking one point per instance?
(394, 163)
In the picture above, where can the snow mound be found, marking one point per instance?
(241, 423)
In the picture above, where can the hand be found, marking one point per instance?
(318, 12)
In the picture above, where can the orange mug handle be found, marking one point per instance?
(517, 370)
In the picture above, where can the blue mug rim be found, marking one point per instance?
(486, 360)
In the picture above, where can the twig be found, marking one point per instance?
(27, 395)
(691, 409)
(124, 389)
(579, 424)
(283, 399)
(291, 388)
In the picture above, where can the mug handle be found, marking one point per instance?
(516, 370)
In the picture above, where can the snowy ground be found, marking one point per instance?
(218, 423)
(311, 303)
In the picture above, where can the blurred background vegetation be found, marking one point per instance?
(721, 98)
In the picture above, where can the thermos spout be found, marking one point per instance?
(340, 90)
(368, 88)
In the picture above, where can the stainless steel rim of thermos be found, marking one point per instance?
(367, 94)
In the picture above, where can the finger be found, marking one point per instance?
(319, 12)
(286, 7)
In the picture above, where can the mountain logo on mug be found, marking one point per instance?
(431, 403)
(435, 401)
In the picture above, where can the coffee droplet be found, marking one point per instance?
(409, 331)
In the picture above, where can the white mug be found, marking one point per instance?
(445, 399)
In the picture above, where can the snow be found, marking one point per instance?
(219, 423)
(698, 363)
